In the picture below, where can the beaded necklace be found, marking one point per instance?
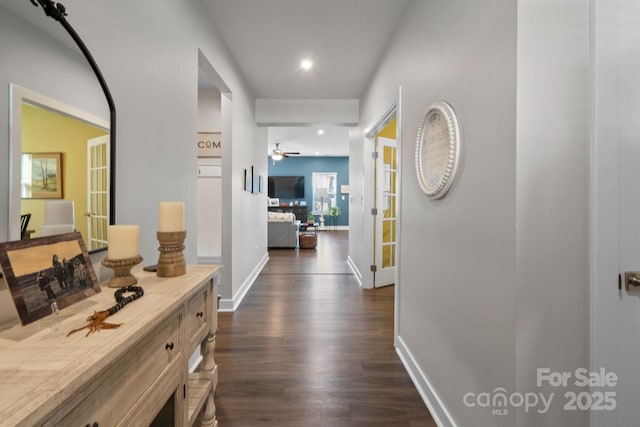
(138, 292)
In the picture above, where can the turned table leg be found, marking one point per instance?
(209, 371)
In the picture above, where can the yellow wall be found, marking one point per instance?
(44, 131)
(389, 130)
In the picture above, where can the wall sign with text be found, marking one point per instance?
(209, 144)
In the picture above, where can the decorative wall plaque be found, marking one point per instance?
(209, 144)
(437, 150)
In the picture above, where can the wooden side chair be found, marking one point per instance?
(24, 223)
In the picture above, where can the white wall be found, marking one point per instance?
(209, 110)
(456, 294)
(553, 203)
(149, 57)
(494, 277)
(160, 69)
(246, 229)
(356, 205)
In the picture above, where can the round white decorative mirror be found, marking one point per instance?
(437, 150)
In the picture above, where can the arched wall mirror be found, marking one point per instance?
(62, 136)
(60, 156)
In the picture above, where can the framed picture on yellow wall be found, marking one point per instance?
(41, 176)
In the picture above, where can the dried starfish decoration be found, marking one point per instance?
(97, 319)
(96, 322)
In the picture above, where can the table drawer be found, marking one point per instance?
(119, 387)
(197, 316)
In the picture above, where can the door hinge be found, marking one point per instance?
(374, 211)
(619, 282)
(184, 390)
(374, 268)
(374, 155)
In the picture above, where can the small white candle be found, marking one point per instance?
(123, 241)
(171, 216)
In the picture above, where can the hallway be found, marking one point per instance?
(308, 347)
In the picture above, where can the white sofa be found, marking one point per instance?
(282, 230)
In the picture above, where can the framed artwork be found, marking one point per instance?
(209, 144)
(257, 184)
(274, 202)
(248, 180)
(41, 176)
(437, 150)
(44, 270)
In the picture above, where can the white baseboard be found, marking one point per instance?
(332, 228)
(232, 304)
(437, 409)
(354, 270)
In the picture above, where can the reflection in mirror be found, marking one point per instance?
(59, 154)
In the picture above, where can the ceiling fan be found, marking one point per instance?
(279, 154)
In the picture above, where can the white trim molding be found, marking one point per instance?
(354, 269)
(333, 227)
(210, 260)
(437, 409)
(227, 305)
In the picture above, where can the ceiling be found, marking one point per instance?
(345, 39)
(307, 141)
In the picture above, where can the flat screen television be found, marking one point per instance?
(286, 187)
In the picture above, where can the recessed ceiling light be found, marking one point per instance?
(306, 64)
(320, 132)
(317, 153)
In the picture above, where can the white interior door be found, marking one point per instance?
(209, 211)
(386, 204)
(629, 212)
(616, 312)
(98, 191)
(628, 373)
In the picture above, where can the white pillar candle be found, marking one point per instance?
(123, 241)
(171, 216)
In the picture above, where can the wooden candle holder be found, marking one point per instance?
(122, 271)
(171, 262)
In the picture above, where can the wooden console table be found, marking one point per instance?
(136, 375)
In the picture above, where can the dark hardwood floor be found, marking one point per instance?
(308, 347)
